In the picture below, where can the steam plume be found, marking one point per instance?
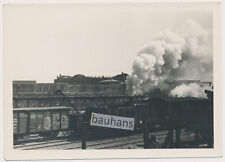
(191, 90)
(184, 54)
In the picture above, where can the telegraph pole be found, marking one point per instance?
(84, 133)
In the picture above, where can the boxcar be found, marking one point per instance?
(45, 121)
(159, 114)
(182, 112)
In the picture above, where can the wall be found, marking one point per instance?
(53, 89)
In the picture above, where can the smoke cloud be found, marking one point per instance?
(182, 55)
(191, 90)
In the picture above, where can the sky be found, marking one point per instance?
(43, 41)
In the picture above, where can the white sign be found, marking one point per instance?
(111, 121)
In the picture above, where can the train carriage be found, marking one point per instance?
(45, 121)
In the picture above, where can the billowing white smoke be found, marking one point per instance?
(184, 54)
(191, 90)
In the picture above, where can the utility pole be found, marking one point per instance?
(146, 137)
(146, 122)
(84, 133)
(147, 125)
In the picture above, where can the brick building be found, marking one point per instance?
(84, 91)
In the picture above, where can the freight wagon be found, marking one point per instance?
(160, 114)
(45, 121)
(139, 112)
(191, 114)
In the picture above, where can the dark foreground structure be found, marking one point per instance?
(151, 115)
(47, 111)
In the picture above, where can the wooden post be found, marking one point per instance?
(84, 133)
(145, 131)
(177, 143)
(146, 138)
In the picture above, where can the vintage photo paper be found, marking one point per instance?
(112, 80)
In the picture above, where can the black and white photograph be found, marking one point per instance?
(116, 76)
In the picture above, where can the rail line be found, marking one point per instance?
(44, 144)
(132, 141)
(101, 144)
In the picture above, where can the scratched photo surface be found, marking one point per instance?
(109, 76)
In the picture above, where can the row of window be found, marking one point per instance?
(23, 102)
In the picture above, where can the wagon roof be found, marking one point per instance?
(40, 108)
(177, 99)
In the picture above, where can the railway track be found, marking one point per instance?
(123, 144)
(46, 144)
(65, 144)
(110, 143)
(132, 141)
